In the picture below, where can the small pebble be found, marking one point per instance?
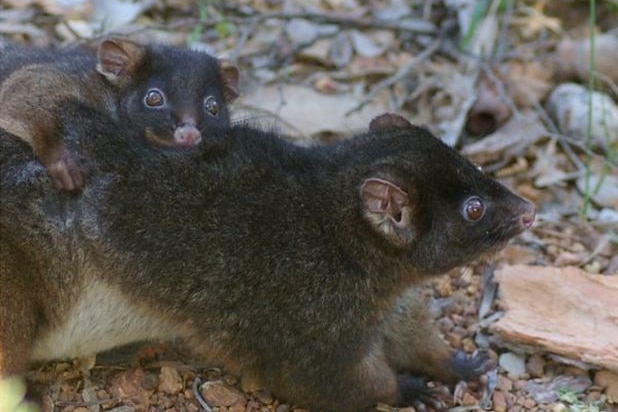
(130, 385)
(471, 290)
(221, 394)
(468, 345)
(192, 408)
(504, 383)
(513, 364)
(230, 380)
(169, 380)
(546, 391)
(521, 383)
(252, 405)
(593, 396)
(499, 400)
(529, 403)
(575, 371)
(445, 324)
(454, 339)
(608, 381)
(457, 318)
(237, 407)
(264, 396)
(469, 399)
(443, 287)
(123, 408)
(466, 276)
(282, 408)
(536, 366)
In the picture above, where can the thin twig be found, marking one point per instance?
(339, 19)
(197, 382)
(401, 74)
(499, 85)
(416, 27)
(564, 144)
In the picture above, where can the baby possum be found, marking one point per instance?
(176, 96)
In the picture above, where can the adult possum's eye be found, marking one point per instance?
(211, 106)
(473, 209)
(154, 98)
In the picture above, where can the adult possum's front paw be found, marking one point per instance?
(471, 367)
(413, 391)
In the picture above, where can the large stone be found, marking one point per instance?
(565, 311)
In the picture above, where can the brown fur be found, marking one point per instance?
(292, 266)
(34, 83)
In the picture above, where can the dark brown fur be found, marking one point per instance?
(114, 80)
(293, 267)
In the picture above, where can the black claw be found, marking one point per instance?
(413, 391)
(469, 368)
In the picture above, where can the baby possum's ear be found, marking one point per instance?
(230, 76)
(389, 209)
(119, 60)
(388, 121)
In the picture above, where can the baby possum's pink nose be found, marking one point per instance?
(187, 135)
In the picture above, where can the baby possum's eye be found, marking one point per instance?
(211, 106)
(473, 209)
(154, 98)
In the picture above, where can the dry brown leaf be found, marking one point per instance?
(573, 56)
(319, 52)
(549, 167)
(532, 21)
(311, 112)
(602, 188)
(528, 83)
(509, 141)
(111, 15)
(452, 101)
(490, 109)
(521, 84)
(67, 9)
(301, 31)
(373, 45)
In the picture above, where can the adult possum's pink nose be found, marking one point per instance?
(187, 135)
(528, 215)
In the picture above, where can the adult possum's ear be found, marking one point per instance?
(230, 76)
(389, 209)
(119, 59)
(388, 121)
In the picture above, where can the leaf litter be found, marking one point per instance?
(478, 74)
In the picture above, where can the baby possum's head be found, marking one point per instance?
(178, 97)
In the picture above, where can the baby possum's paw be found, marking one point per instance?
(63, 171)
